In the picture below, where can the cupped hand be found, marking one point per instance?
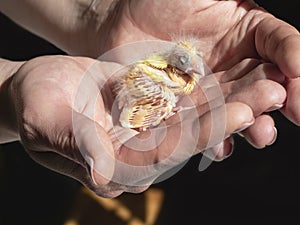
(64, 119)
(229, 32)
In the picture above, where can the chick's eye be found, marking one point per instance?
(199, 54)
(184, 59)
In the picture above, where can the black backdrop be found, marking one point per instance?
(251, 187)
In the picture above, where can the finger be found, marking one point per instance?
(77, 137)
(220, 151)
(239, 70)
(238, 116)
(172, 143)
(252, 87)
(214, 126)
(279, 42)
(260, 95)
(250, 70)
(262, 133)
(257, 89)
(292, 105)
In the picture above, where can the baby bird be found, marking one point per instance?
(148, 93)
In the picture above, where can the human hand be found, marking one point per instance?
(78, 170)
(76, 136)
(229, 32)
(248, 33)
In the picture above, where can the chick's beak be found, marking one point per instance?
(196, 66)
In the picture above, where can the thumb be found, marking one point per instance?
(96, 148)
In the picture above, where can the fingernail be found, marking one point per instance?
(240, 134)
(274, 138)
(211, 153)
(90, 165)
(231, 148)
(274, 107)
(244, 126)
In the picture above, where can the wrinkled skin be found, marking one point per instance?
(252, 54)
(248, 32)
(63, 135)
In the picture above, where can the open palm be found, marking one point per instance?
(64, 119)
(251, 54)
(230, 33)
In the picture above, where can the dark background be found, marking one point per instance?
(251, 187)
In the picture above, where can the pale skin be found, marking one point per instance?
(251, 54)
